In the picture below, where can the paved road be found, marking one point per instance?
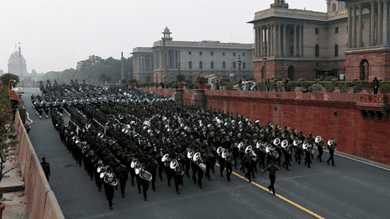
(350, 190)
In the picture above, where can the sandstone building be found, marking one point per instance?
(351, 39)
(191, 59)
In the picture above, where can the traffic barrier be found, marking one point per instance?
(40, 200)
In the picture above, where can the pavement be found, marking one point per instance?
(12, 186)
(354, 188)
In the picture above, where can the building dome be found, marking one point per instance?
(166, 30)
(17, 64)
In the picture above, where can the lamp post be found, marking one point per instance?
(239, 68)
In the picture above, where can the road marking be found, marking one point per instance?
(277, 195)
(374, 165)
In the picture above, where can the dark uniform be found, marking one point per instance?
(46, 168)
(272, 175)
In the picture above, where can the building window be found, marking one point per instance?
(243, 65)
(336, 30)
(234, 54)
(200, 53)
(334, 7)
(200, 65)
(224, 65)
(211, 53)
(243, 54)
(212, 65)
(317, 51)
(317, 31)
(336, 50)
(190, 65)
(189, 52)
(223, 53)
(234, 65)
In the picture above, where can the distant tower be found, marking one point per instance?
(123, 71)
(17, 64)
(167, 34)
(279, 4)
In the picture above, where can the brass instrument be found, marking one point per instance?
(318, 139)
(143, 174)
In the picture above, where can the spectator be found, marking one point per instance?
(285, 84)
(217, 85)
(46, 168)
(376, 85)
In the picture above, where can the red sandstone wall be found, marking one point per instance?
(314, 113)
(378, 65)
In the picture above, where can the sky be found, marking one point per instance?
(54, 35)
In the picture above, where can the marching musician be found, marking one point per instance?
(145, 184)
(272, 175)
(123, 175)
(110, 182)
(331, 147)
(320, 146)
(229, 165)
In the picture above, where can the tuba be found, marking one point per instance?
(190, 154)
(173, 164)
(248, 148)
(224, 154)
(284, 144)
(305, 145)
(219, 150)
(295, 142)
(318, 139)
(110, 179)
(198, 161)
(143, 174)
(277, 141)
(274, 153)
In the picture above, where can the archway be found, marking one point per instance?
(290, 71)
(364, 69)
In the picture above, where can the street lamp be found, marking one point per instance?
(239, 67)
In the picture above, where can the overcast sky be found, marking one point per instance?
(55, 34)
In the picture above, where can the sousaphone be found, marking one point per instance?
(277, 141)
(143, 174)
(284, 144)
(318, 139)
(190, 154)
(110, 179)
(248, 148)
(219, 150)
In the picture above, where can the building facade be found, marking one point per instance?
(306, 44)
(191, 59)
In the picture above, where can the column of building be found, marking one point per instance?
(274, 41)
(285, 40)
(360, 34)
(301, 38)
(280, 40)
(386, 22)
(260, 30)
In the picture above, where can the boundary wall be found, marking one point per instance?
(41, 201)
(359, 122)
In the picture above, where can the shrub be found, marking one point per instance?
(329, 78)
(329, 86)
(230, 86)
(304, 83)
(270, 85)
(344, 86)
(317, 87)
(384, 87)
(317, 81)
(180, 77)
(275, 79)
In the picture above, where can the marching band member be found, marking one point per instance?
(272, 175)
(331, 147)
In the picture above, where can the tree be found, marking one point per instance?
(8, 76)
(8, 133)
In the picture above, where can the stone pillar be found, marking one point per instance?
(360, 34)
(295, 41)
(268, 40)
(380, 23)
(353, 26)
(260, 29)
(199, 98)
(372, 27)
(274, 41)
(256, 42)
(386, 23)
(349, 27)
(285, 40)
(280, 40)
(302, 41)
(179, 96)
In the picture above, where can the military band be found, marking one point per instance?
(113, 132)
